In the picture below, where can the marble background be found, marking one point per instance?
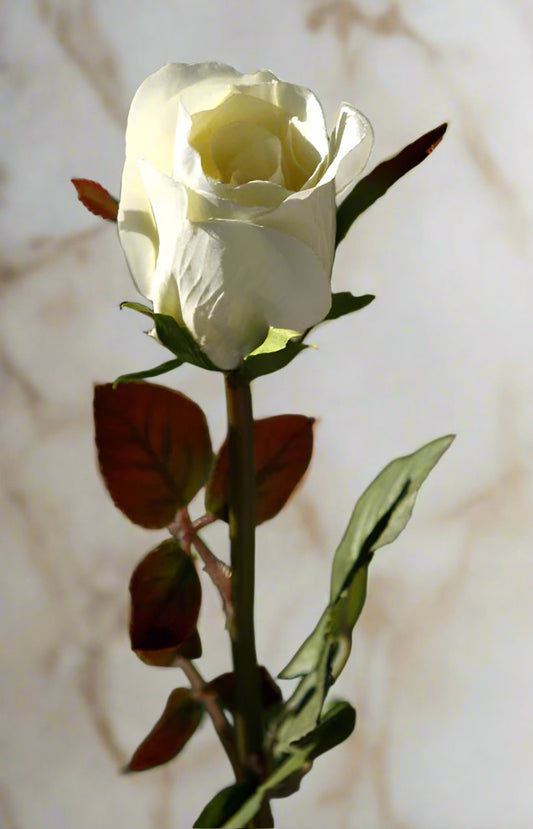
(441, 672)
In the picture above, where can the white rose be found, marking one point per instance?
(227, 208)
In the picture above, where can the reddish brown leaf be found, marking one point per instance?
(169, 657)
(224, 687)
(154, 450)
(96, 198)
(283, 449)
(165, 603)
(177, 724)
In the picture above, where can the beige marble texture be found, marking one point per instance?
(441, 672)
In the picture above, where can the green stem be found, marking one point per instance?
(242, 486)
(242, 537)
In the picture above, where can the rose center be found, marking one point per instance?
(247, 139)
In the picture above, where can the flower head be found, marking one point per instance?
(227, 207)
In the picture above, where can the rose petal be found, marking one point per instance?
(309, 216)
(150, 135)
(236, 280)
(136, 228)
(210, 198)
(349, 147)
(168, 199)
(301, 103)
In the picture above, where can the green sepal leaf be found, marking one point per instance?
(154, 449)
(283, 446)
(175, 337)
(282, 346)
(379, 516)
(257, 365)
(344, 302)
(165, 603)
(224, 805)
(178, 722)
(149, 372)
(375, 184)
(276, 340)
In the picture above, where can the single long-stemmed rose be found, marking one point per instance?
(228, 219)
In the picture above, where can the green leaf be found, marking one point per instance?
(138, 306)
(253, 804)
(336, 725)
(276, 340)
(259, 364)
(384, 509)
(307, 655)
(223, 806)
(175, 337)
(376, 183)
(302, 710)
(379, 516)
(149, 372)
(281, 346)
(344, 303)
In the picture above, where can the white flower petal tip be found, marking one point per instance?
(350, 147)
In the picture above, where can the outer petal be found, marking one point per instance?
(150, 135)
(349, 148)
(236, 279)
(309, 216)
(153, 112)
(168, 200)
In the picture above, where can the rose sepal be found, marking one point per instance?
(173, 336)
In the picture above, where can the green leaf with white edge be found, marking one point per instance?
(335, 727)
(394, 491)
(307, 655)
(149, 372)
(175, 337)
(378, 518)
(344, 616)
(301, 712)
(336, 622)
(224, 805)
(344, 302)
(276, 340)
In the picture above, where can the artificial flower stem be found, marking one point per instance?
(249, 714)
